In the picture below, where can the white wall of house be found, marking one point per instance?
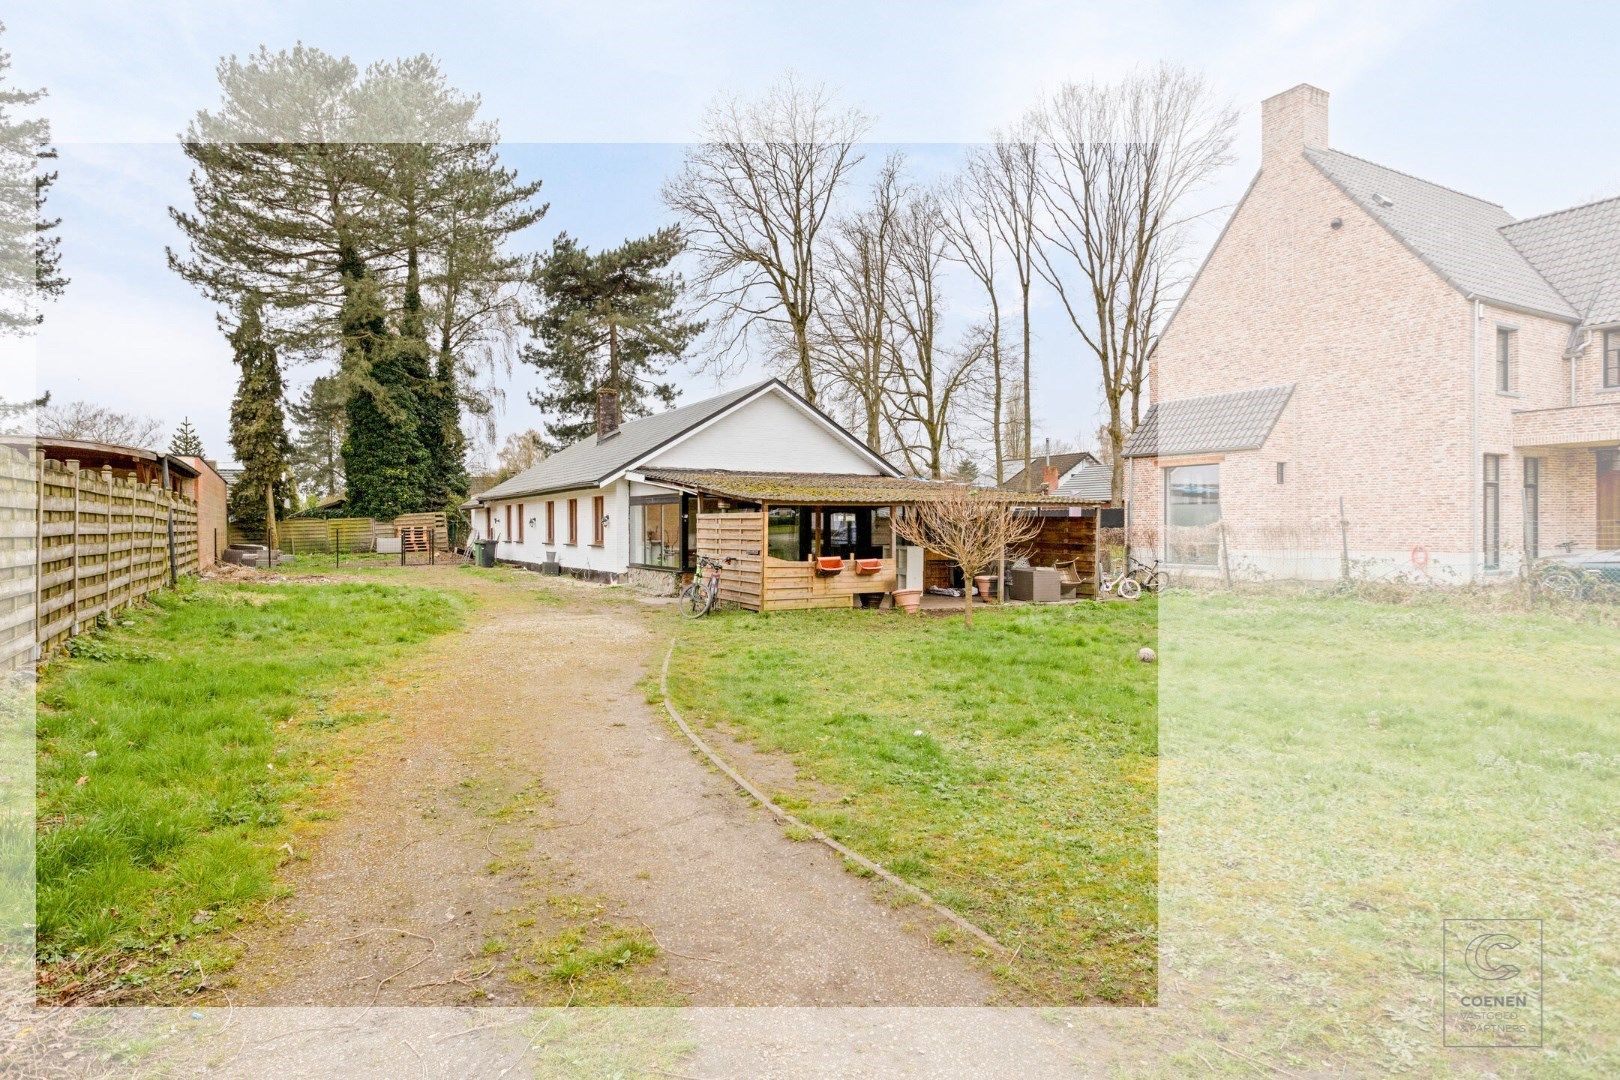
(769, 433)
(611, 557)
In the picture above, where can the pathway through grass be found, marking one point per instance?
(1010, 770)
(169, 748)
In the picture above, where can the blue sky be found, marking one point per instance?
(1516, 103)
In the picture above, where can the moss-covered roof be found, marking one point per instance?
(833, 489)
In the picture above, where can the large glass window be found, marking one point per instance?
(1192, 513)
(655, 534)
(784, 533)
(1611, 358)
(1507, 347)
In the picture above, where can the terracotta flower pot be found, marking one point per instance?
(909, 600)
(982, 583)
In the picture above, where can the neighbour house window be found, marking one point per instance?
(1611, 359)
(573, 522)
(1493, 511)
(1507, 359)
(783, 530)
(598, 520)
(1532, 507)
(508, 521)
(1282, 472)
(520, 523)
(655, 531)
(551, 521)
(1192, 513)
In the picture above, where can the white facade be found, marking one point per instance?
(770, 433)
(611, 557)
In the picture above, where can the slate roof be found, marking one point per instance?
(588, 462)
(1064, 463)
(1464, 239)
(1093, 483)
(832, 489)
(1578, 251)
(1213, 424)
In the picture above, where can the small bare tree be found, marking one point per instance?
(1119, 163)
(972, 527)
(88, 422)
(753, 196)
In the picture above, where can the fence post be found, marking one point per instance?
(39, 552)
(1344, 543)
(1226, 553)
(73, 608)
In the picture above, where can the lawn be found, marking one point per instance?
(1338, 776)
(169, 746)
(1009, 770)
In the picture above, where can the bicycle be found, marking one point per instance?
(1123, 582)
(699, 598)
(1150, 577)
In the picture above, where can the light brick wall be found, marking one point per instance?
(1381, 351)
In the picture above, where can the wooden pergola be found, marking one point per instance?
(735, 522)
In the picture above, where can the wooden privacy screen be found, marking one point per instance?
(761, 583)
(76, 544)
(735, 536)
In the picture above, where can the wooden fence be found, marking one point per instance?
(78, 544)
(303, 536)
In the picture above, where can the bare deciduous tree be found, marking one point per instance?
(927, 377)
(753, 196)
(853, 316)
(970, 214)
(973, 528)
(96, 423)
(1011, 169)
(521, 450)
(1118, 164)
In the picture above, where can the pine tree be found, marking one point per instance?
(317, 449)
(386, 465)
(185, 441)
(609, 320)
(258, 426)
(30, 259)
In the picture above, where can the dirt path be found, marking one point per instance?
(525, 801)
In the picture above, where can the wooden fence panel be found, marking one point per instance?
(77, 544)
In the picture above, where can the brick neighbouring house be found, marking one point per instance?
(1449, 372)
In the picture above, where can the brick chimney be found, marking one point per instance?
(1049, 479)
(607, 413)
(1291, 121)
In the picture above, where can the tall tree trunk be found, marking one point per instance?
(1029, 417)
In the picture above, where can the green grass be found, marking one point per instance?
(168, 748)
(1009, 770)
(1341, 775)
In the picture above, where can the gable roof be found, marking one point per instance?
(1460, 237)
(1211, 424)
(592, 462)
(837, 489)
(1093, 482)
(1064, 463)
(1578, 251)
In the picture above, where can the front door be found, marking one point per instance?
(1608, 498)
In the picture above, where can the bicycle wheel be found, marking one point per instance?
(1129, 588)
(1156, 581)
(694, 601)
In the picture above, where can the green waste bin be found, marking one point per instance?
(486, 553)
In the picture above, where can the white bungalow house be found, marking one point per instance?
(593, 510)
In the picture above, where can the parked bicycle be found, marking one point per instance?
(1149, 576)
(699, 598)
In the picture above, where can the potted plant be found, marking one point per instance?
(982, 583)
(908, 600)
